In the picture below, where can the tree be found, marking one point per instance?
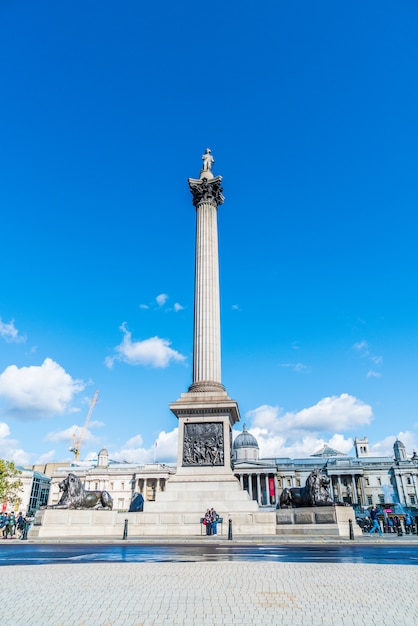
(10, 483)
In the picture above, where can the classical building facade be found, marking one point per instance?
(362, 480)
(121, 480)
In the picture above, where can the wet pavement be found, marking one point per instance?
(22, 553)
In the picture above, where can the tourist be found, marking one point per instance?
(20, 524)
(408, 524)
(207, 520)
(375, 520)
(3, 524)
(214, 520)
(10, 526)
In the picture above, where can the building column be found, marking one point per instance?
(340, 493)
(355, 492)
(259, 498)
(250, 485)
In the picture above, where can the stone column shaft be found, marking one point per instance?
(207, 323)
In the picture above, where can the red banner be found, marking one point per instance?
(271, 487)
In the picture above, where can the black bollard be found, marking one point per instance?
(125, 530)
(350, 526)
(230, 529)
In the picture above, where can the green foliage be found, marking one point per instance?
(10, 483)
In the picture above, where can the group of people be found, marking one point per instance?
(210, 521)
(12, 526)
(391, 524)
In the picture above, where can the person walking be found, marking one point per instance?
(408, 524)
(375, 520)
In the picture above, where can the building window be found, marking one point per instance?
(289, 482)
(96, 486)
(366, 481)
(369, 500)
(408, 480)
(298, 483)
(413, 501)
(381, 498)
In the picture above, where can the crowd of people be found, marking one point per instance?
(11, 526)
(392, 524)
(210, 521)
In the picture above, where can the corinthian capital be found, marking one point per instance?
(206, 190)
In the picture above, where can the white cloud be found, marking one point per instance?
(178, 307)
(361, 347)
(134, 442)
(46, 457)
(301, 433)
(143, 306)
(9, 332)
(296, 367)
(9, 447)
(154, 352)
(373, 374)
(161, 299)
(4, 430)
(385, 446)
(133, 452)
(67, 433)
(37, 391)
(235, 307)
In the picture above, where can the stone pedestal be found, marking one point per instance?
(326, 521)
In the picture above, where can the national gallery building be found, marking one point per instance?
(363, 480)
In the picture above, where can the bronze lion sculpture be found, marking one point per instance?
(314, 493)
(74, 496)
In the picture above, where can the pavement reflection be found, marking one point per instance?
(35, 554)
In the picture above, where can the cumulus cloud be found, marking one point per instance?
(154, 352)
(178, 307)
(9, 332)
(161, 299)
(164, 449)
(301, 433)
(38, 390)
(66, 434)
(385, 446)
(46, 457)
(9, 448)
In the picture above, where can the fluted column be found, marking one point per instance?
(207, 197)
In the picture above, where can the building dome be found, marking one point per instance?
(245, 440)
(103, 458)
(399, 450)
(245, 447)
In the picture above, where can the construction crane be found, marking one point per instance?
(77, 441)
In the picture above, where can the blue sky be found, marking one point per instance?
(310, 110)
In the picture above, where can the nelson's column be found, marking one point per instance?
(206, 413)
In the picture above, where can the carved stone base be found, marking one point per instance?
(313, 521)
